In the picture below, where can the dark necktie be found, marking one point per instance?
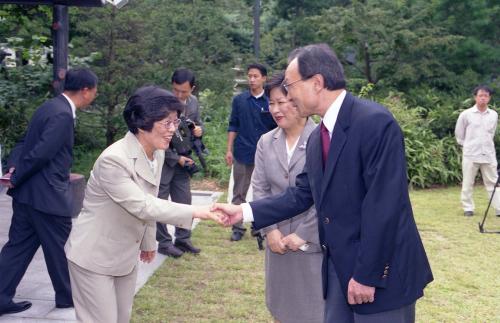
(325, 142)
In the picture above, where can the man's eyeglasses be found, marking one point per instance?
(167, 124)
(286, 86)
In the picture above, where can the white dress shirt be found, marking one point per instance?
(329, 119)
(475, 131)
(72, 104)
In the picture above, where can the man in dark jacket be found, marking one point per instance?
(374, 265)
(39, 169)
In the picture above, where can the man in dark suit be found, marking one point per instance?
(175, 177)
(40, 189)
(375, 266)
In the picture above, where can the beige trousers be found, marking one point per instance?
(489, 175)
(101, 298)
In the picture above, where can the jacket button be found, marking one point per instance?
(286, 176)
(386, 272)
(326, 220)
(384, 276)
(323, 247)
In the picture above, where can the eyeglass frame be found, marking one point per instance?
(286, 86)
(168, 123)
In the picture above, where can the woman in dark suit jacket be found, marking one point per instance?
(293, 254)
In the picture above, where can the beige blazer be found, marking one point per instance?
(120, 210)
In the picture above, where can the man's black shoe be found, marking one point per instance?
(64, 305)
(171, 251)
(237, 235)
(187, 246)
(468, 213)
(15, 307)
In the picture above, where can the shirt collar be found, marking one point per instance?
(72, 104)
(476, 109)
(332, 113)
(257, 96)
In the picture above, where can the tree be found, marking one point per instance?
(117, 41)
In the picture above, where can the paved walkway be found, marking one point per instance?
(36, 286)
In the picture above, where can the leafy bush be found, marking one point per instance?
(431, 160)
(21, 91)
(215, 112)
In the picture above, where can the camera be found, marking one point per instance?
(184, 143)
(191, 169)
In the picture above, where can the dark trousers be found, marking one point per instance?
(28, 230)
(242, 176)
(175, 182)
(338, 310)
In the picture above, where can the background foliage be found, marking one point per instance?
(420, 58)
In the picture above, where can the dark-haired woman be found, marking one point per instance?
(293, 253)
(118, 220)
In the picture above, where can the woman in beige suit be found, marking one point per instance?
(293, 253)
(117, 224)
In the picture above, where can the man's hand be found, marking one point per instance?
(274, 242)
(231, 214)
(147, 256)
(358, 293)
(229, 158)
(183, 160)
(197, 131)
(293, 241)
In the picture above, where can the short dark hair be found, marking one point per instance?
(484, 88)
(275, 82)
(148, 105)
(182, 75)
(260, 67)
(320, 59)
(79, 78)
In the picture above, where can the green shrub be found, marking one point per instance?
(84, 159)
(215, 112)
(431, 160)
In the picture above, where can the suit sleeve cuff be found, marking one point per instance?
(247, 212)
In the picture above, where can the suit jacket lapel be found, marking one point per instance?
(279, 146)
(141, 166)
(339, 138)
(302, 142)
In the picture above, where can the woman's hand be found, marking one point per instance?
(274, 241)
(205, 213)
(147, 256)
(293, 241)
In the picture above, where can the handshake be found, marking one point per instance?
(228, 214)
(224, 214)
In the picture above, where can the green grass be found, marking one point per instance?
(225, 283)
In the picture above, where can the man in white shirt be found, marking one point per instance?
(474, 131)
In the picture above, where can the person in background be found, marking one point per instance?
(175, 175)
(117, 224)
(293, 253)
(39, 170)
(475, 131)
(250, 119)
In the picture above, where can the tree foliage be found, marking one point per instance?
(421, 58)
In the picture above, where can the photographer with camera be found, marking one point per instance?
(179, 166)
